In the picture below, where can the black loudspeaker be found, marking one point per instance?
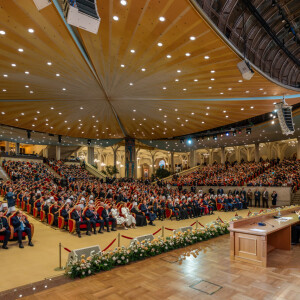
(29, 134)
(59, 139)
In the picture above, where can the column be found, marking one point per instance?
(298, 148)
(192, 158)
(45, 152)
(256, 152)
(222, 155)
(172, 162)
(237, 154)
(130, 158)
(57, 157)
(7, 147)
(90, 155)
(211, 156)
(17, 148)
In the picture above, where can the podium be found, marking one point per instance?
(251, 243)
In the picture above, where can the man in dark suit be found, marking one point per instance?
(257, 197)
(249, 197)
(79, 218)
(220, 191)
(265, 198)
(107, 217)
(94, 219)
(145, 209)
(21, 224)
(4, 230)
(55, 211)
(65, 214)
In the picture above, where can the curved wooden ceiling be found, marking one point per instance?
(94, 106)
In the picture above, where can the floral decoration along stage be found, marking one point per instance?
(82, 267)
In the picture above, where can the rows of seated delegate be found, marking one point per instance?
(225, 175)
(286, 174)
(70, 171)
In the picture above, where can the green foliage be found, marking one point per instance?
(110, 171)
(162, 173)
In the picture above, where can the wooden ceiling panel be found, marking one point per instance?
(126, 88)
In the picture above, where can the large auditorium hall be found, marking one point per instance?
(150, 149)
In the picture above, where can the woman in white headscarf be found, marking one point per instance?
(129, 218)
(115, 214)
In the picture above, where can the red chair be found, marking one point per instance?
(61, 220)
(72, 223)
(42, 213)
(35, 209)
(11, 231)
(50, 217)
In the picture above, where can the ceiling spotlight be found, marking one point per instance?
(132, 51)
(188, 54)
(20, 50)
(143, 69)
(5, 75)
(30, 30)
(189, 141)
(159, 44)
(212, 71)
(169, 56)
(178, 71)
(116, 18)
(206, 57)
(123, 2)
(49, 63)
(2, 32)
(26, 72)
(162, 19)
(130, 83)
(122, 66)
(13, 65)
(57, 74)
(192, 38)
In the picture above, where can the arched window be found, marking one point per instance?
(162, 164)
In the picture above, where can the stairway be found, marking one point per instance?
(52, 171)
(296, 198)
(3, 174)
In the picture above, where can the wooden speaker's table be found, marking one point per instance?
(251, 243)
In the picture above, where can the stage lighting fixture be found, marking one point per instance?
(189, 141)
(29, 134)
(227, 133)
(215, 137)
(248, 130)
(59, 139)
(89, 141)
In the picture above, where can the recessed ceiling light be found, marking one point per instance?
(37, 112)
(206, 57)
(192, 113)
(164, 88)
(49, 63)
(247, 92)
(192, 38)
(33, 125)
(221, 93)
(27, 86)
(116, 18)
(206, 114)
(240, 80)
(3, 113)
(132, 51)
(159, 44)
(123, 2)
(2, 32)
(176, 109)
(261, 89)
(22, 114)
(31, 92)
(178, 71)
(17, 120)
(4, 90)
(57, 74)
(130, 83)
(63, 89)
(226, 116)
(122, 66)
(202, 122)
(30, 30)
(195, 80)
(265, 93)
(212, 79)
(212, 71)
(176, 79)
(143, 69)
(188, 54)
(273, 122)
(169, 56)
(252, 107)
(160, 109)
(81, 107)
(20, 50)
(134, 110)
(59, 113)
(229, 89)
(26, 72)
(210, 87)
(207, 107)
(224, 111)
(5, 75)
(242, 108)
(184, 89)
(162, 19)
(51, 107)
(13, 65)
